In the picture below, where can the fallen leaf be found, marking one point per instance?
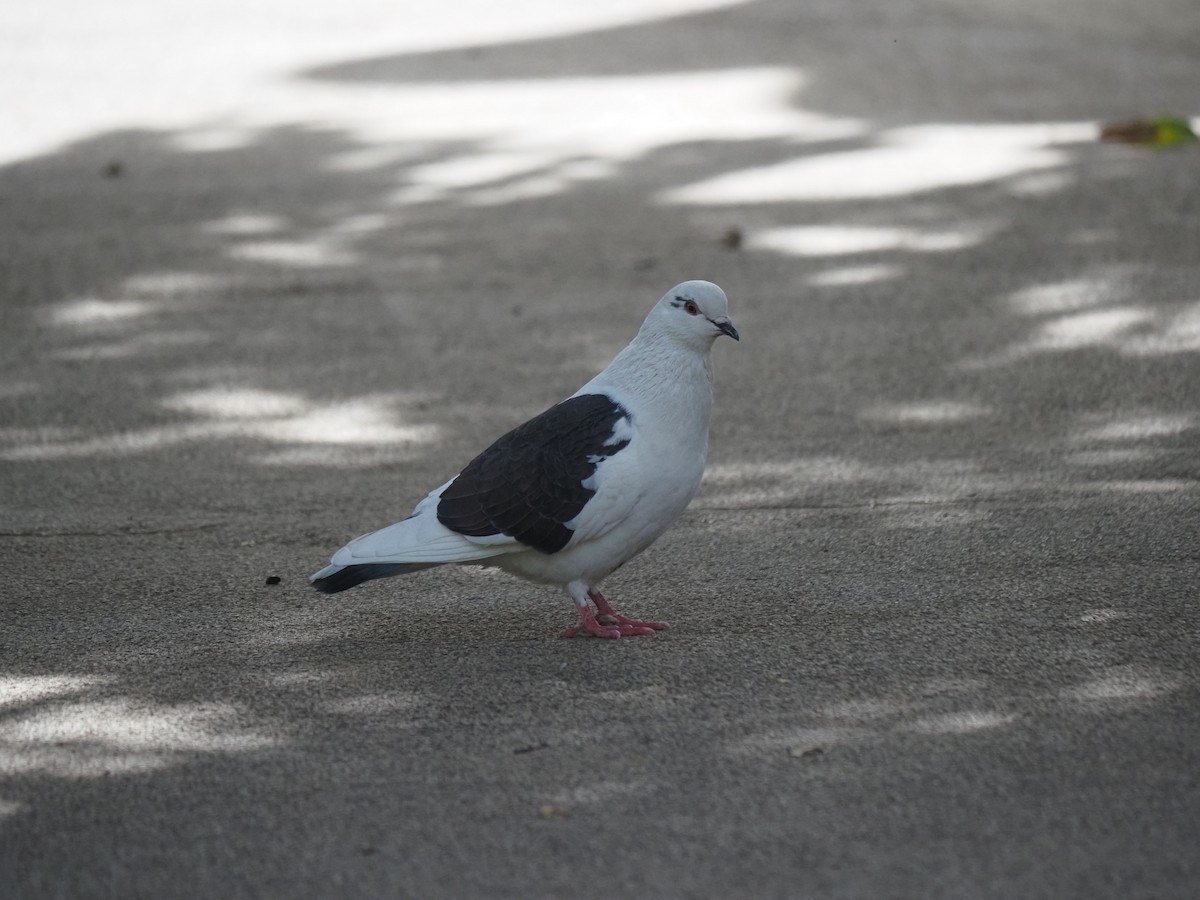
(1160, 131)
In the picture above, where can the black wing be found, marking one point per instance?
(530, 482)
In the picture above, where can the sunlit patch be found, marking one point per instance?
(480, 168)
(540, 135)
(1123, 683)
(298, 680)
(368, 158)
(249, 413)
(598, 792)
(121, 444)
(238, 403)
(1064, 296)
(960, 722)
(767, 484)
(839, 240)
(1078, 331)
(389, 704)
(10, 808)
(938, 484)
(140, 344)
(311, 253)
(1090, 237)
(242, 224)
(813, 468)
(214, 139)
(930, 412)
(114, 736)
(505, 177)
(18, 690)
(1140, 486)
(1112, 456)
(560, 179)
(354, 422)
(1039, 184)
(94, 311)
(852, 275)
(173, 283)
(523, 189)
(1088, 329)
(1179, 332)
(1102, 616)
(347, 456)
(906, 161)
(210, 72)
(14, 389)
(362, 223)
(1140, 427)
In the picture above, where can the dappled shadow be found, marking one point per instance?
(950, 57)
(946, 538)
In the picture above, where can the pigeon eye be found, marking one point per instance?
(691, 308)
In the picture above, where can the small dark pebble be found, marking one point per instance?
(532, 748)
(273, 579)
(732, 238)
(113, 169)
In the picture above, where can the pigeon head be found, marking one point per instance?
(696, 312)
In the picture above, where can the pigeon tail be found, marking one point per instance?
(332, 579)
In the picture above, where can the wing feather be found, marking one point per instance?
(531, 482)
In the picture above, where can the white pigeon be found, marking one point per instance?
(571, 495)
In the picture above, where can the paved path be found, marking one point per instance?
(266, 281)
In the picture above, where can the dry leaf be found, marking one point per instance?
(1161, 131)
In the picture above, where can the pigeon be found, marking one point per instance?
(574, 493)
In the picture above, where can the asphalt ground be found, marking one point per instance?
(934, 620)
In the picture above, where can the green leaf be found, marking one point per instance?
(1160, 131)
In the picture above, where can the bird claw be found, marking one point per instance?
(610, 625)
(638, 626)
(595, 630)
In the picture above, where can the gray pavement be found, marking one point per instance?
(934, 611)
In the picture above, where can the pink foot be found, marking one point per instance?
(589, 625)
(610, 616)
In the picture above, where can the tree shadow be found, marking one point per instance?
(944, 550)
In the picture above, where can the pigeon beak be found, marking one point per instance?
(725, 326)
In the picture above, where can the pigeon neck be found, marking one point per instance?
(657, 362)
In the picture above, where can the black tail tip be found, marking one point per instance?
(342, 578)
